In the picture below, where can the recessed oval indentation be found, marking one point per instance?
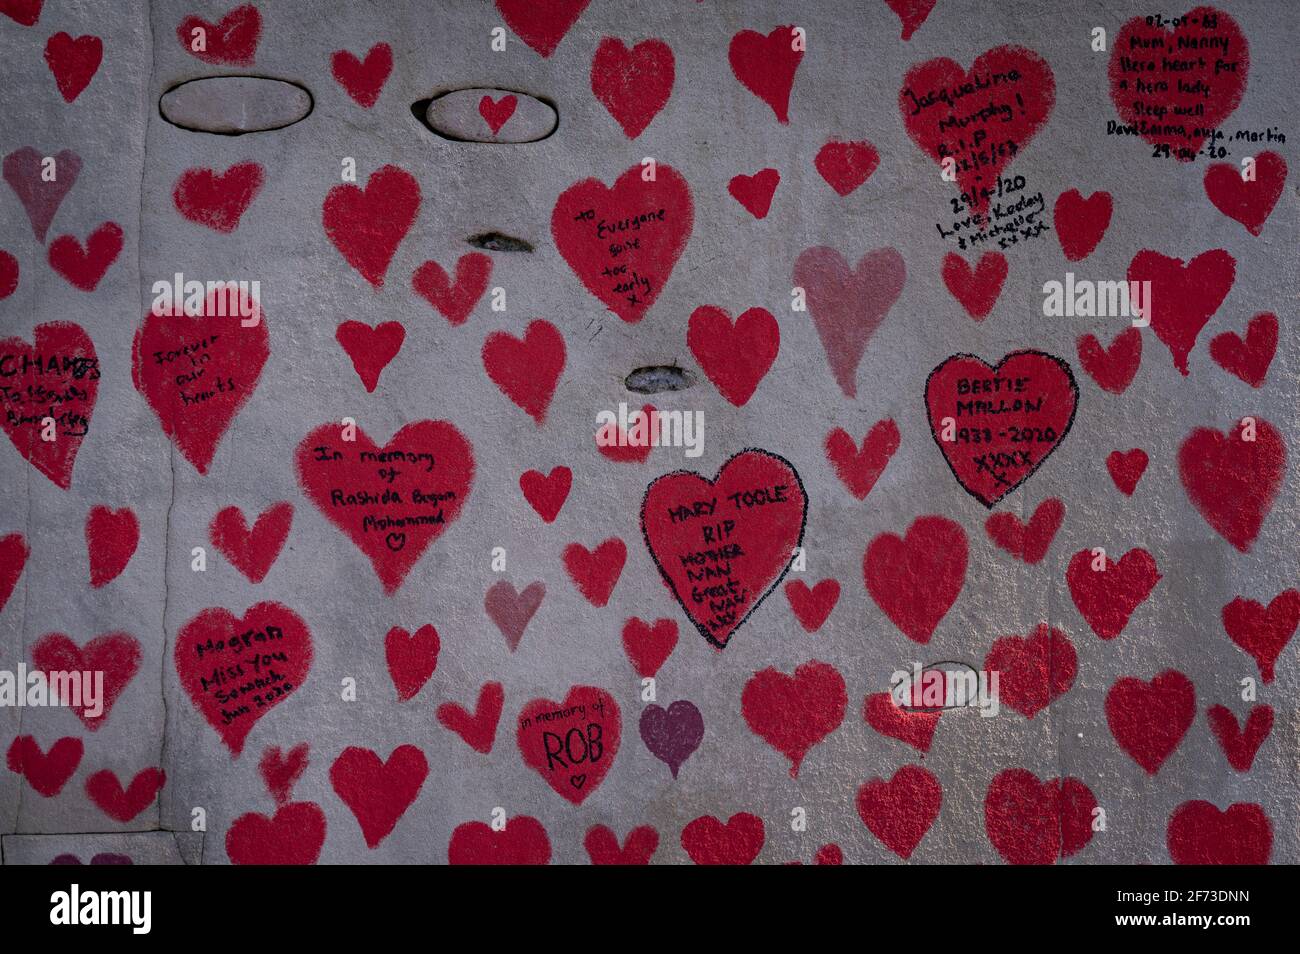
(957, 683)
(235, 105)
(657, 378)
(488, 115)
(499, 242)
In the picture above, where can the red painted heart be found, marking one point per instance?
(497, 112)
(977, 290)
(105, 790)
(1263, 632)
(1149, 719)
(637, 848)
(73, 62)
(1167, 92)
(1035, 670)
(522, 841)
(83, 267)
(218, 201)
(1240, 744)
(1081, 223)
(859, 469)
(1200, 834)
(1027, 541)
(794, 713)
(281, 771)
(367, 225)
(812, 606)
(1006, 96)
(1036, 823)
(363, 79)
(915, 579)
(412, 658)
(622, 242)
(900, 811)
(13, 557)
(1106, 592)
(735, 357)
(595, 572)
(252, 552)
(455, 301)
(846, 165)
(370, 349)
(996, 424)
(1182, 297)
(634, 85)
(1113, 368)
(378, 792)
(765, 65)
(541, 24)
(294, 835)
(479, 728)
(231, 42)
(916, 728)
(1126, 469)
(723, 545)
(546, 493)
(1248, 359)
(236, 670)
(198, 370)
(1248, 202)
(735, 842)
(46, 772)
(512, 611)
(755, 192)
(391, 501)
(111, 539)
(571, 744)
(116, 655)
(648, 646)
(1233, 481)
(527, 371)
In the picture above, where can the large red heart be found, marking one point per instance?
(218, 200)
(1107, 597)
(46, 772)
(1149, 719)
(1182, 298)
(83, 267)
(623, 242)
(1261, 631)
(541, 24)
(366, 225)
(232, 42)
(846, 304)
(1248, 202)
(455, 302)
(572, 744)
(648, 646)
(73, 62)
(735, 357)
(1232, 482)
(915, 579)
(721, 566)
(281, 771)
(111, 539)
(172, 365)
(765, 65)
(1034, 823)
(793, 713)
(1081, 223)
(363, 79)
(105, 790)
(1174, 95)
(479, 729)
(736, 842)
(1200, 834)
(915, 727)
(1240, 744)
(252, 552)
(116, 655)
(527, 371)
(237, 670)
(391, 501)
(996, 424)
(293, 836)
(13, 557)
(370, 349)
(1248, 358)
(1028, 541)
(378, 792)
(982, 118)
(412, 658)
(1034, 670)
(522, 841)
(859, 469)
(632, 84)
(637, 848)
(900, 811)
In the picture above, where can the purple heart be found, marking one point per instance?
(672, 734)
(41, 199)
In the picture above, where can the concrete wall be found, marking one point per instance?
(1216, 517)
